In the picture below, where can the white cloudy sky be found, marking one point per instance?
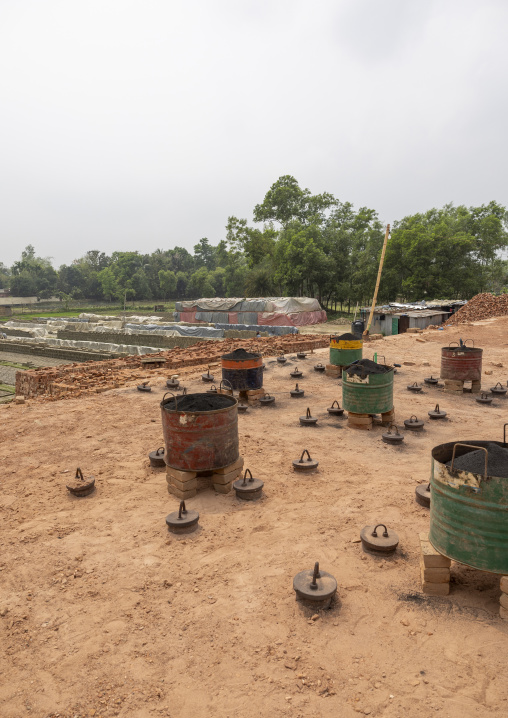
(138, 124)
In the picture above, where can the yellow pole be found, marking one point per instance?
(366, 332)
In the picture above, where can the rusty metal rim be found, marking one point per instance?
(201, 413)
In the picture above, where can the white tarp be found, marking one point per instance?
(100, 346)
(283, 305)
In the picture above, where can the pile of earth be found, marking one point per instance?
(240, 355)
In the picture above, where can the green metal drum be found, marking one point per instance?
(468, 512)
(345, 351)
(371, 395)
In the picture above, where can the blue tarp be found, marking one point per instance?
(247, 318)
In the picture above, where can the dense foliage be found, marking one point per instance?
(308, 244)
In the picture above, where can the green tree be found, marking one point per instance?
(285, 202)
(167, 282)
(109, 285)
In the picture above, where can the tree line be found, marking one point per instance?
(304, 244)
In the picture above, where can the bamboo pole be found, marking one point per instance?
(366, 332)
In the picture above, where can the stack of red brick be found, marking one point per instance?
(52, 383)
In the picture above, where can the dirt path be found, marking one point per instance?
(103, 613)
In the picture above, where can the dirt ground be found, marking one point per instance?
(103, 613)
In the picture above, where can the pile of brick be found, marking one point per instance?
(186, 484)
(481, 306)
(74, 380)
(434, 569)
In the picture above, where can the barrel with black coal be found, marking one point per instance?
(243, 370)
(200, 431)
(469, 507)
(345, 348)
(367, 387)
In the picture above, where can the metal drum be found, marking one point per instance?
(345, 351)
(461, 363)
(198, 440)
(243, 370)
(370, 395)
(469, 511)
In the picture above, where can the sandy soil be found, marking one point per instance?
(103, 613)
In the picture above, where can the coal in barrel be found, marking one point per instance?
(200, 431)
(345, 349)
(243, 370)
(469, 507)
(367, 387)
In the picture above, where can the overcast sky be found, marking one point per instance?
(144, 124)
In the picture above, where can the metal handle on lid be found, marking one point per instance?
(247, 471)
(335, 402)
(79, 474)
(450, 344)
(305, 451)
(182, 510)
(385, 532)
(226, 381)
(413, 417)
(468, 340)
(309, 415)
(315, 576)
(471, 446)
(159, 451)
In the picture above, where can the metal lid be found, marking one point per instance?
(335, 410)
(498, 389)
(296, 373)
(81, 486)
(157, 457)
(422, 495)
(393, 437)
(307, 464)
(297, 391)
(247, 485)
(414, 387)
(413, 423)
(437, 413)
(267, 399)
(308, 419)
(144, 387)
(315, 585)
(183, 518)
(431, 380)
(207, 376)
(484, 398)
(242, 408)
(377, 541)
(319, 367)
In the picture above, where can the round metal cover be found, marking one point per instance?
(296, 373)
(207, 376)
(431, 380)
(157, 457)
(414, 387)
(319, 367)
(301, 355)
(282, 359)
(172, 383)
(315, 585)
(144, 387)
(80, 486)
(212, 390)
(308, 420)
(385, 541)
(335, 410)
(307, 464)
(393, 437)
(498, 389)
(183, 519)
(267, 399)
(242, 408)
(296, 392)
(437, 413)
(422, 495)
(484, 398)
(414, 423)
(248, 486)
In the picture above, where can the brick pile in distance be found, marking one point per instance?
(74, 380)
(481, 306)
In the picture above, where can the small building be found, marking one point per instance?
(390, 321)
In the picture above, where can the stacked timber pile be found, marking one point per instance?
(481, 306)
(73, 380)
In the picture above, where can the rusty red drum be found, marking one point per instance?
(200, 431)
(461, 363)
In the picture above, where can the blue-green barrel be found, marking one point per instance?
(468, 514)
(371, 395)
(345, 351)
